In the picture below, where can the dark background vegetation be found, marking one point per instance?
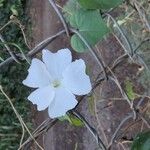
(12, 76)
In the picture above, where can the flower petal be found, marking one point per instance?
(38, 76)
(63, 101)
(42, 97)
(75, 78)
(57, 62)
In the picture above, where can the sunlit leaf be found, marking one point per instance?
(129, 90)
(75, 121)
(14, 10)
(72, 120)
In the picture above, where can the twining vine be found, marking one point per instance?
(84, 22)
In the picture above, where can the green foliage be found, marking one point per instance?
(129, 90)
(72, 120)
(14, 10)
(142, 141)
(132, 28)
(12, 31)
(11, 79)
(89, 23)
(92, 29)
(10, 128)
(70, 9)
(90, 4)
(99, 4)
(1, 3)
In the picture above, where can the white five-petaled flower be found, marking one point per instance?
(57, 80)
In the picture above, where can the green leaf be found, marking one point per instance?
(129, 90)
(91, 26)
(89, 23)
(99, 4)
(107, 4)
(72, 120)
(63, 118)
(141, 142)
(89, 4)
(69, 10)
(1, 3)
(14, 10)
(75, 121)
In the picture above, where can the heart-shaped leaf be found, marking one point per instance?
(91, 26)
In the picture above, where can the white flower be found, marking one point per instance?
(57, 80)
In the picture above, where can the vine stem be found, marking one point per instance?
(2, 28)
(99, 61)
(123, 93)
(19, 118)
(8, 49)
(35, 50)
(118, 128)
(91, 129)
(43, 127)
(123, 35)
(60, 16)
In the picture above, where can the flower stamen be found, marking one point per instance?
(56, 83)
